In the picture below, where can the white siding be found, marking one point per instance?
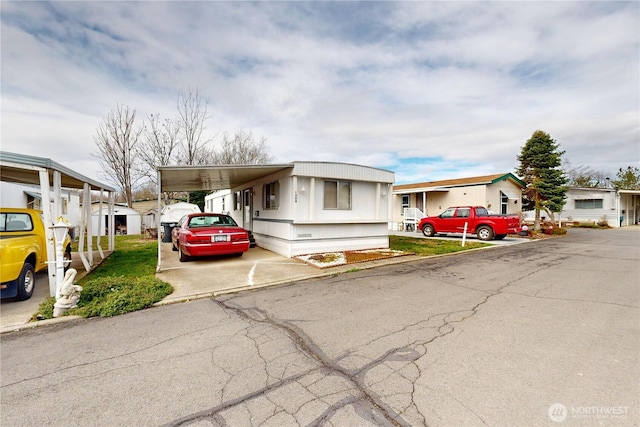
(570, 213)
(13, 195)
(219, 202)
(342, 171)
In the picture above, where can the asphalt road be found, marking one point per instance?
(538, 334)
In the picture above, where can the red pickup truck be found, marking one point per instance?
(479, 222)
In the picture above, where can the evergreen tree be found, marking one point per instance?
(540, 169)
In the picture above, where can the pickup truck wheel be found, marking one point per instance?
(485, 233)
(428, 230)
(26, 282)
(183, 257)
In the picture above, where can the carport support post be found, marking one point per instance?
(158, 222)
(46, 214)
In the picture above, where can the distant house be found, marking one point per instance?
(144, 205)
(310, 207)
(500, 193)
(617, 208)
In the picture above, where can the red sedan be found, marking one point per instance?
(206, 234)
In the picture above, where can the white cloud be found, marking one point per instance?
(465, 83)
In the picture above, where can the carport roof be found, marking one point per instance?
(24, 169)
(213, 177)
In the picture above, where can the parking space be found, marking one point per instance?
(203, 277)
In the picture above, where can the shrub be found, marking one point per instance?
(603, 222)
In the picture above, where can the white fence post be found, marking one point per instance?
(464, 233)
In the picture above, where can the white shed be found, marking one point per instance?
(127, 221)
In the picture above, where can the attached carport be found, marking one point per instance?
(52, 177)
(207, 178)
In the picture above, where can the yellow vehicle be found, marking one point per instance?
(23, 251)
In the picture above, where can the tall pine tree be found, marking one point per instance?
(540, 169)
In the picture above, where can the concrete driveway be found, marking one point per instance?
(203, 277)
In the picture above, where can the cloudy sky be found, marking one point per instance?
(429, 90)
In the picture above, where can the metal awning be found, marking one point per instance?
(34, 195)
(193, 178)
(510, 195)
(24, 169)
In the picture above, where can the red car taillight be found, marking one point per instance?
(236, 237)
(192, 238)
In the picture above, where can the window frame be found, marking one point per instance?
(504, 203)
(404, 205)
(271, 196)
(582, 203)
(339, 197)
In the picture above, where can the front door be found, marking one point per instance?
(247, 222)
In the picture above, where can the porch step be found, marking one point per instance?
(252, 240)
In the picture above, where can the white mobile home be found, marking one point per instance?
(316, 207)
(298, 208)
(616, 208)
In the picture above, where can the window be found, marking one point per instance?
(463, 213)
(271, 195)
(504, 203)
(224, 198)
(589, 204)
(405, 203)
(237, 200)
(337, 195)
(482, 212)
(448, 213)
(15, 222)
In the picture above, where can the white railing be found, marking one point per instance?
(411, 218)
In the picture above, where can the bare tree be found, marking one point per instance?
(192, 115)
(116, 141)
(584, 176)
(159, 146)
(241, 149)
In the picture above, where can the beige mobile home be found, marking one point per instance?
(499, 193)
